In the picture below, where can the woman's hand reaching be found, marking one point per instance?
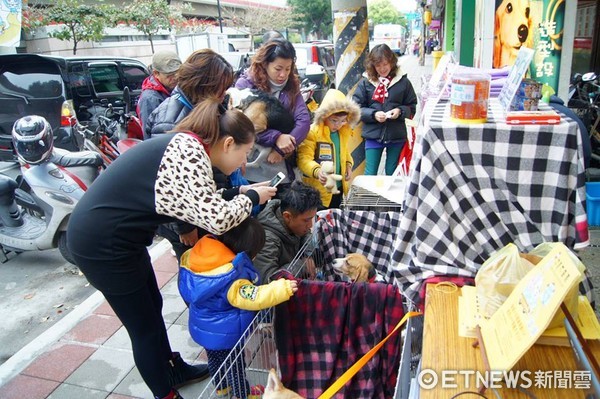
(265, 193)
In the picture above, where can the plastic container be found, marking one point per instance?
(469, 97)
(593, 203)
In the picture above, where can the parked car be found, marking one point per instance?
(239, 60)
(60, 88)
(318, 52)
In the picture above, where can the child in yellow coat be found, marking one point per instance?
(327, 140)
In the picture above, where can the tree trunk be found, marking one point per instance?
(151, 42)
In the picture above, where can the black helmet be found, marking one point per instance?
(32, 139)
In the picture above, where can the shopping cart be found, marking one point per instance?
(256, 351)
(335, 234)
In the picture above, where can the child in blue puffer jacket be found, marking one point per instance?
(219, 282)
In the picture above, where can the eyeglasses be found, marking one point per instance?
(338, 121)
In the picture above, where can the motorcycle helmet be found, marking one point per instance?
(33, 140)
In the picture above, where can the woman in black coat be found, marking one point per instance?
(386, 97)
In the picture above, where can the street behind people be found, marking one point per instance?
(271, 71)
(327, 141)
(288, 223)
(219, 282)
(153, 183)
(386, 98)
(158, 87)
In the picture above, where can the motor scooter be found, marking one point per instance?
(36, 206)
(118, 129)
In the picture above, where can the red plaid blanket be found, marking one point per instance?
(327, 326)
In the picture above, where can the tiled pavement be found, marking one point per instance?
(94, 360)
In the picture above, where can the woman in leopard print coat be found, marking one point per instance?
(155, 182)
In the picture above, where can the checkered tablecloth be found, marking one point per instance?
(341, 232)
(475, 188)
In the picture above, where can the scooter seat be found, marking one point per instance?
(68, 159)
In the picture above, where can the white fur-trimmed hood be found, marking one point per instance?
(335, 101)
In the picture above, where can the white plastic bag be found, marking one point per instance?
(497, 278)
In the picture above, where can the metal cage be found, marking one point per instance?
(363, 194)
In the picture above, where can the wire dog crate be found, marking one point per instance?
(335, 234)
(365, 194)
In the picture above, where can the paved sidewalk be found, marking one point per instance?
(90, 357)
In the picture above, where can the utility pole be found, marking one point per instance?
(424, 10)
(220, 19)
(351, 39)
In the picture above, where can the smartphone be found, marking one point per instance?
(277, 179)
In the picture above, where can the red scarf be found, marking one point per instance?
(381, 92)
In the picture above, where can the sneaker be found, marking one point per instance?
(224, 393)
(256, 392)
(180, 373)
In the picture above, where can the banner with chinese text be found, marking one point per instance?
(537, 24)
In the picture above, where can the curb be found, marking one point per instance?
(24, 357)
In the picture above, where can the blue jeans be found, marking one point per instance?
(373, 158)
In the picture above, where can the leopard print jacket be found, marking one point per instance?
(185, 189)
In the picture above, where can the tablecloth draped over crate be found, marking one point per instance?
(340, 232)
(327, 326)
(475, 188)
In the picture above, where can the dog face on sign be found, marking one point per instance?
(276, 390)
(355, 268)
(511, 31)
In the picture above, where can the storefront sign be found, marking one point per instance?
(546, 61)
(536, 24)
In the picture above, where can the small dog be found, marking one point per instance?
(512, 30)
(356, 268)
(276, 390)
(265, 111)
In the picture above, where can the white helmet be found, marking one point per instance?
(33, 140)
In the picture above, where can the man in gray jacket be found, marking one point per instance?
(158, 87)
(288, 223)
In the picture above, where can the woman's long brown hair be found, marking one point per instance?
(204, 74)
(276, 48)
(210, 122)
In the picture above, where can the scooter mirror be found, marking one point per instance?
(588, 77)
(127, 99)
